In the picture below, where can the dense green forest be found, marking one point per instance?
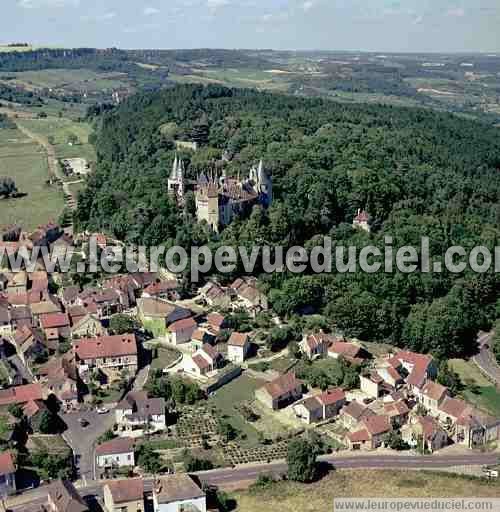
(417, 172)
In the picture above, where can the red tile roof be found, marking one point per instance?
(355, 410)
(434, 390)
(419, 363)
(453, 407)
(54, 320)
(283, 385)
(238, 339)
(106, 346)
(331, 396)
(6, 464)
(21, 394)
(359, 437)
(344, 348)
(200, 362)
(315, 340)
(116, 446)
(377, 424)
(125, 491)
(181, 325)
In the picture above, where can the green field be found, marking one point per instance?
(486, 398)
(237, 391)
(26, 163)
(359, 483)
(60, 129)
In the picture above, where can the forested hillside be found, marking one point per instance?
(418, 173)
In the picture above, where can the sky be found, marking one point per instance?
(360, 25)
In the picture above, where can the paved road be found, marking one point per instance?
(222, 477)
(486, 360)
(82, 439)
(230, 476)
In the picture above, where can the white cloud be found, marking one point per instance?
(458, 12)
(150, 11)
(35, 4)
(308, 5)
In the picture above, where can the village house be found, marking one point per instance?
(280, 392)
(202, 336)
(418, 367)
(5, 321)
(124, 495)
(87, 326)
(107, 301)
(216, 323)
(33, 413)
(248, 295)
(21, 315)
(424, 432)
(137, 414)
(320, 407)
(353, 413)
(20, 395)
(390, 375)
(110, 354)
(215, 296)
(238, 347)
(372, 384)
(59, 496)
(118, 452)
(432, 395)
(371, 434)
(361, 221)
(18, 283)
(59, 377)
(181, 331)
(39, 281)
(474, 429)
(69, 295)
(56, 326)
(177, 493)
(206, 360)
(7, 474)
(30, 343)
(49, 304)
(151, 309)
(397, 412)
(162, 290)
(316, 345)
(351, 352)
(451, 409)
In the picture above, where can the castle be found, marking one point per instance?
(220, 199)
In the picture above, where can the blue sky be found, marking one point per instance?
(376, 25)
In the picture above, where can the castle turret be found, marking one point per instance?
(176, 182)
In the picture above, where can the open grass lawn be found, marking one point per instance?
(237, 391)
(469, 373)
(487, 398)
(480, 392)
(292, 497)
(166, 356)
(26, 163)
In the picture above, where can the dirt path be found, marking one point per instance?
(54, 170)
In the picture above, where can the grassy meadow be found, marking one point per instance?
(319, 496)
(26, 162)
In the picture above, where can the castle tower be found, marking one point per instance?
(176, 181)
(207, 203)
(264, 185)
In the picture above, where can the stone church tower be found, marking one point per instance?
(176, 181)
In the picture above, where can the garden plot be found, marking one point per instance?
(197, 426)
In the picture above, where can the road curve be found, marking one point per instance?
(485, 359)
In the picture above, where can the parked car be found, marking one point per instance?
(102, 410)
(83, 422)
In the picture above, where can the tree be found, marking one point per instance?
(7, 187)
(395, 441)
(123, 324)
(193, 464)
(301, 459)
(148, 459)
(49, 423)
(73, 139)
(51, 140)
(16, 411)
(448, 378)
(496, 341)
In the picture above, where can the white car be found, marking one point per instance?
(102, 410)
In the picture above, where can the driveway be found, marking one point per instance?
(83, 439)
(486, 360)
